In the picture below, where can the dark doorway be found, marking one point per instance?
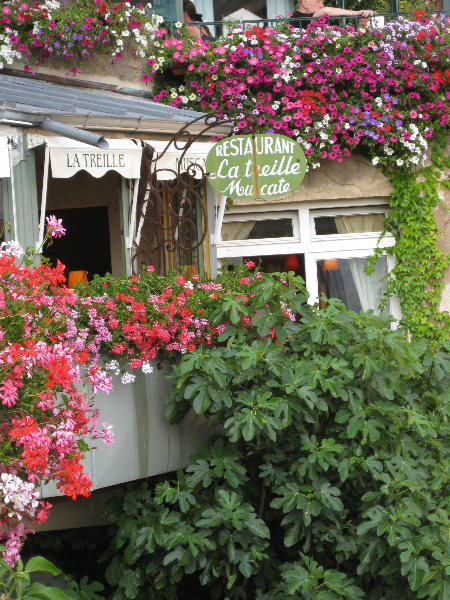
(86, 244)
(280, 263)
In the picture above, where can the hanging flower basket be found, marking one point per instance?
(178, 68)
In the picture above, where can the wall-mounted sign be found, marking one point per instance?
(260, 166)
(175, 160)
(67, 157)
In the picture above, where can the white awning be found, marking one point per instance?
(67, 157)
(4, 158)
(196, 154)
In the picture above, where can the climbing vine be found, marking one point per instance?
(418, 276)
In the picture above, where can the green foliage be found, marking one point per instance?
(75, 551)
(16, 582)
(417, 277)
(327, 476)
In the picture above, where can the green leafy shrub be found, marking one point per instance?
(17, 582)
(327, 476)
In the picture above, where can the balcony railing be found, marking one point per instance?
(218, 27)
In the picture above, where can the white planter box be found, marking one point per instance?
(144, 443)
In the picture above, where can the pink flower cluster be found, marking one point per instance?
(135, 327)
(334, 89)
(19, 504)
(45, 418)
(78, 31)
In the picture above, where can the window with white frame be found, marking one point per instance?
(327, 246)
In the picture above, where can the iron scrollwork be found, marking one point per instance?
(162, 222)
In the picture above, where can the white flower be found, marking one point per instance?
(178, 25)
(128, 378)
(375, 160)
(192, 97)
(113, 366)
(147, 368)
(13, 248)
(400, 162)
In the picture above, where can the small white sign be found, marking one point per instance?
(67, 157)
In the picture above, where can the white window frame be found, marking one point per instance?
(372, 210)
(265, 216)
(305, 241)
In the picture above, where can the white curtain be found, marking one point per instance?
(359, 223)
(370, 289)
(236, 230)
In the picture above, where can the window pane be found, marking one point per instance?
(349, 224)
(256, 230)
(280, 263)
(345, 279)
(223, 8)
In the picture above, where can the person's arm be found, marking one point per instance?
(332, 11)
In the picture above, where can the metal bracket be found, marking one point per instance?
(13, 141)
(213, 239)
(34, 140)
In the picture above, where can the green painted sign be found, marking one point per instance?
(260, 166)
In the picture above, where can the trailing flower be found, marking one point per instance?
(45, 417)
(75, 31)
(334, 89)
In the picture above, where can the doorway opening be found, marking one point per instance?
(86, 244)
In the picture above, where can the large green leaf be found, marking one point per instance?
(38, 590)
(39, 564)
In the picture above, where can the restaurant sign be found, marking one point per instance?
(256, 166)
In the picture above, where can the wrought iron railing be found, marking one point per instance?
(217, 27)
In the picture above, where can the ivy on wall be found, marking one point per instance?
(418, 276)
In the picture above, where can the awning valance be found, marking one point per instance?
(4, 158)
(67, 157)
(195, 155)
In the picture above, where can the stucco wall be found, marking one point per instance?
(354, 177)
(442, 214)
(125, 74)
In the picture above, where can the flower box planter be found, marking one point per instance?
(144, 442)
